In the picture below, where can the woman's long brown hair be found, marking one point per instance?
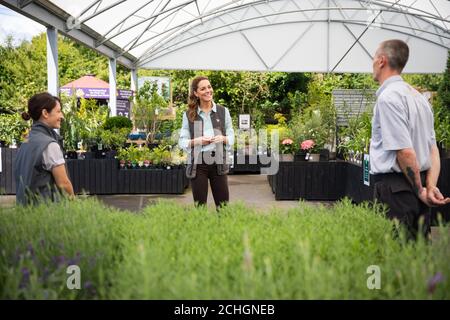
(193, 100)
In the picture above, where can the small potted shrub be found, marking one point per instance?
(287, 151)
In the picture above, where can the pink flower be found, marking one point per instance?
(287, 141)
(307, 144)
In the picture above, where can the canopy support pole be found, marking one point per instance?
(112, 87)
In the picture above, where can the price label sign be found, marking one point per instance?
(244, 121)
(366, 170)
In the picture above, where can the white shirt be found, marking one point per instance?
(402, 118)
(208, 130)
(52, 156)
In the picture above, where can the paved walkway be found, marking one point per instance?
(253, 190)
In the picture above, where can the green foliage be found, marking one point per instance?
(149, 104)
(444, 87)
(442, 110)
(315, 129)
(117, 122)
(424, 82)
(33, 259)
(174, 252)
(81, 122)
(355, 138)
(114, 138)
(22, 73)
(161, 155)
(315, 115)
(12, 128)
(242, 92)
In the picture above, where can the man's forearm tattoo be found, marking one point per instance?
(412, 176)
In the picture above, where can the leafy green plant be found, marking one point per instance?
(315, 129)
(355, 138)
(123, 155)
(442, 110)
(117, 122)
(161, 155)
(113, 138)
(146, 109)
(81, 121)
(442, 124)
(13, 128)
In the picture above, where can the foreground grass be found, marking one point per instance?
(174, 252)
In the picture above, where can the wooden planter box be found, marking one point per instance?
(7, 180)
(309, 180)
(248, 166)
(103, 176)
(335, 179)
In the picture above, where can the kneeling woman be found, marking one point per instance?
(206, 135)
(40, 169)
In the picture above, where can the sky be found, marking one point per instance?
(17, 25)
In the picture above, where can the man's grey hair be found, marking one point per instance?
(397, 52)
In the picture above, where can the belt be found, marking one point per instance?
(395, 175)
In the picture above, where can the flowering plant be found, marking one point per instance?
(308, 146)
(287, 146)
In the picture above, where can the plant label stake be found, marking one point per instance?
(366, 170)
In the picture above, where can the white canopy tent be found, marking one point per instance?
(260, 35)
(263, 35)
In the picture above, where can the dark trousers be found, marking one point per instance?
(219, 185)
(403, 204)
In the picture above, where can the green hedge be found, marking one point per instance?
(174, 252)
(117, 122)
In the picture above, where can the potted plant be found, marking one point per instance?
(147, 108)
(112, 140)
(122, 156)
(287, 151)
(310, 147)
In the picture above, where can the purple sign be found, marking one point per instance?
(124, 94)
(123, 108)
(97, 93)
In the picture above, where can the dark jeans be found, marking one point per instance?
(394, 190)
(219, 185)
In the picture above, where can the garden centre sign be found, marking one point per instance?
(96, 93)
(122, 103)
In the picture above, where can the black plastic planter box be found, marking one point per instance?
(248, 166)
(103, 176)
(309, 180)
(333, 180)
(7, 181)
